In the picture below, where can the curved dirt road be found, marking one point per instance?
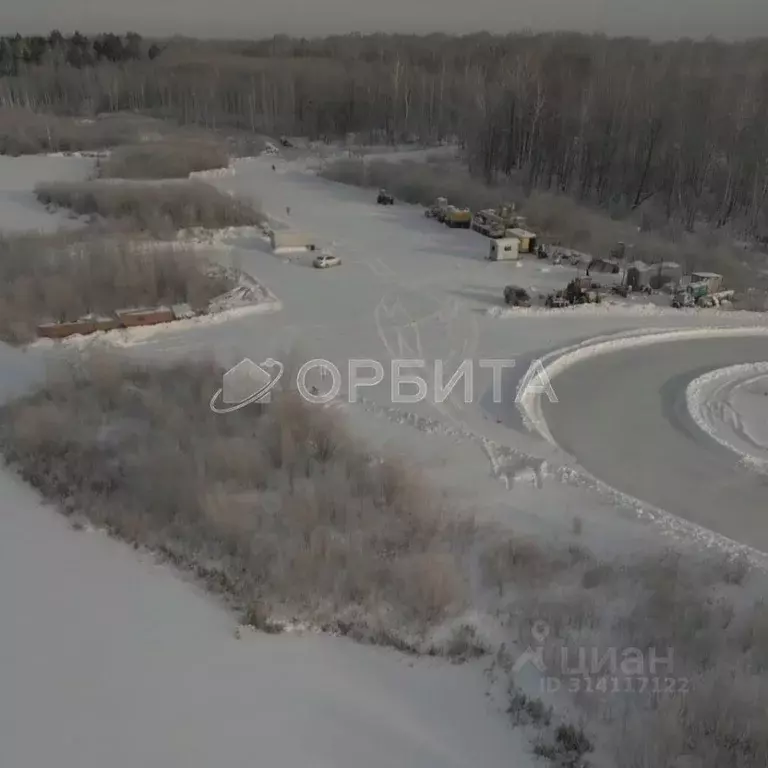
(624, 417)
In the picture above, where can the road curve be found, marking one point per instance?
(624, 417)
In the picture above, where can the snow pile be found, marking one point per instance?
(731, 405)
(199, 237)
(214, 173)
(90, 154)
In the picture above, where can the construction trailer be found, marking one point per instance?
(527, 239)
(287, 240)
(504, 249)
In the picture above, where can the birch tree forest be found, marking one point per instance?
(680, 128)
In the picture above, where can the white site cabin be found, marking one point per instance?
(504, 249)
(288, 241)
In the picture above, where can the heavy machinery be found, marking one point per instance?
(695, 293)
(457, 217)
(437, 209)
(580, 290)
(384, 198)
(494, 222)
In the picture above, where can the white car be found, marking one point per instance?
(325, 260)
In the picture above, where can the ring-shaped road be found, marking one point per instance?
(624, 417)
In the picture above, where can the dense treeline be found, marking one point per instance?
(678, 129)
(74, 50)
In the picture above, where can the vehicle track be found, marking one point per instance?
(624, 417)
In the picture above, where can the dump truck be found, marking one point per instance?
(457, 217)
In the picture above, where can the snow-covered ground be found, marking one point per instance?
(107, 658)
(19, 209)
(407, 288)
(731, 405)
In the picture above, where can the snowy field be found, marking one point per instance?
(19, 209)
(109, 659)
(125, 663)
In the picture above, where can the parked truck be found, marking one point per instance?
(457, 217)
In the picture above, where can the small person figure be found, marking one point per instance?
(273, 168)
(288, 209)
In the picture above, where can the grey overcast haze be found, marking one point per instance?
(248, 19)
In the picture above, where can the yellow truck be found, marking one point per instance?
(457, 217)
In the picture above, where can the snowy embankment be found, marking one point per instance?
(731, 405)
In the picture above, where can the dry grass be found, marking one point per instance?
(159, 208)
(705, 698)
(556, 218)
(164, 159)
(63, 277)
(24, 131)
(281, 511)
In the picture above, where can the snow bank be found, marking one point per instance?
(731, 406)
(89, 154)
(616, 309)
(558, 361)
(213, 173)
